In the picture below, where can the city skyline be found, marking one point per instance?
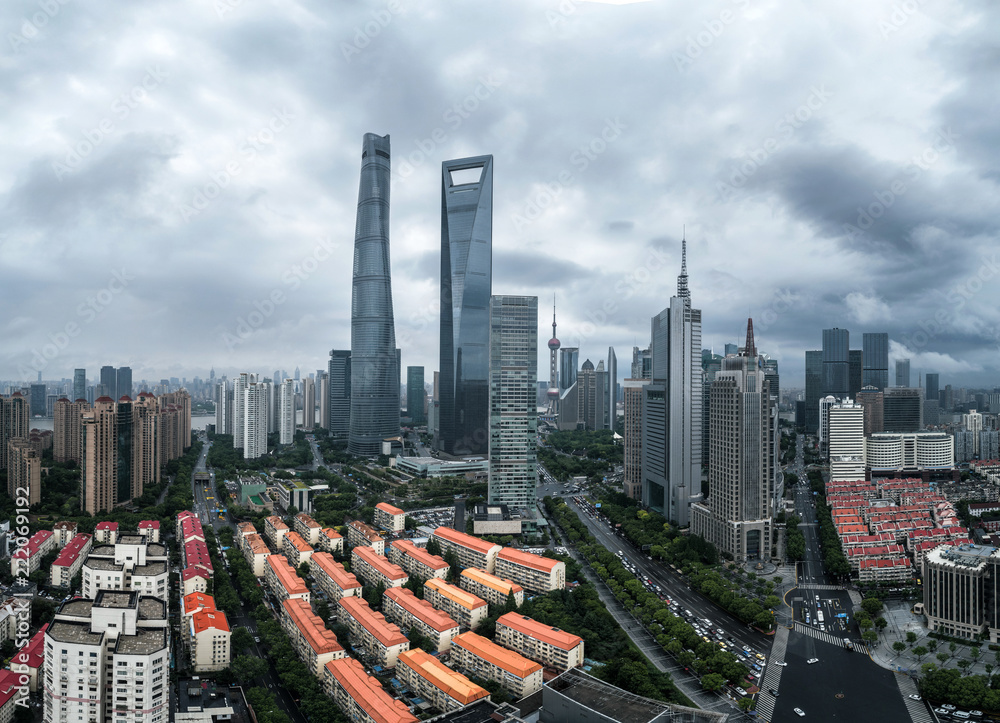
(116, 189)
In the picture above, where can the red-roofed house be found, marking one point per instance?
(360, 696)
(410, 612)
(106, 533)
(210, 640)
(10, 694)
(28, 558)
(194, 579)
(70, 560)
(549, 646)
(470, 551)
(30, 659)
(371, 631)
(534, 573)
(150, 529)
(389, 518)
(315, 644)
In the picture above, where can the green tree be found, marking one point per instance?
(920, 651)
(911, 638)
(943, 657)
(246, 668)
(871, 605)
(881, 624)
(433, 547)
(712, 682)
(241, 639)
(899, 646)
(303, 570)
(745, 704)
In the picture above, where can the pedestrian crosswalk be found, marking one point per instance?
(917, 709)
(827, 637)
(810, 586)
(772, 675)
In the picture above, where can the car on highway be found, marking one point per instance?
(812, 660)
(256, 639)
(799, 712)
(773, 692)
(783, 664)
(914, 696)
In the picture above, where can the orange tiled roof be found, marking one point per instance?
(368, 693)
(540, 631)
(206, 619)
(296, 540)
(453, 684)
(491, 581)
(455, 594)
(420, 609)
(504, 659)
(338, 573)
(527, 559)
(375, 623)
(421, 555)
(460, 538)
(380, 563)
(311, 626)
(293, 584)
(386, 507)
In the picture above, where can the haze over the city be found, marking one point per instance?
(181, 178)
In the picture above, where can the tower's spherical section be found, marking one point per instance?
(553, 393)
(554, 343)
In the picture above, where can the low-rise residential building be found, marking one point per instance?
(432, 680)
(417, 561)
(296, 549)
(536, 574)
(315, 645)
(381, 640)
(331, 541)
(30, 660)
(132, 564)
(308, 528)
(150, 529)
(195, 603)
(69, 561)
(209, 637)
(28, 558)
(282, 581)
(194, 579)
(182, 517)
(409, 612)
(389, 518)
(552, 647)
(492, 589)
(359, 534)
(485, 659)
(64, 532)
(274, 530)
(242, 530)
(360, 696)
(11, 695)
(332, 578)
(462, 606)
(106, 533)
(374, 568)
(256, 552)
(469, 551)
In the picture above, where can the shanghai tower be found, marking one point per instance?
(466, 285)
(374, 375)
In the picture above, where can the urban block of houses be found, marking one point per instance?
(282, 581)
(552, 647)
(469, 551)
(492, 589)
(534, 573)
(308, 528)
(389, 518)
(374, 568)
(256, 552)
(446, 689)
(313, 642)
(462, 606)
(381, 641)
(485, 659)
(332, 578)
(361, 535)
(360, 696)
(417, 561)
(408, 611)
(69, 561)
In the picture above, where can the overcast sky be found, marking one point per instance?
(170, 168)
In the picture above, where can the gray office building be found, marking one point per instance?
(902, 372)
(903, 409)
(611, 408)
(340, 393)
(855, 372)
(37, 399)
(466, 286)
(513, 425)
(123, 382)
(932, 382)
(109, 380)
(79, 384)
(836, 363)
(814, 390)
(415, 395)
(875, 359)
(374, 370)
(569, 365)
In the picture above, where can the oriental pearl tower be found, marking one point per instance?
(554, 345)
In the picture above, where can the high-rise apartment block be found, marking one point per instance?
(286, 412)
(223, 408)
(847, 442)
(67, 430)
(308, 404)
(513, 421)
(240, 384)
(255, 419)
(737, 517)
(24, 473)
(466, 287)
(374, 362)
(15, 416)
(633, 391)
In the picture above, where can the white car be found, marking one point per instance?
(799, 712)
(783, 664)
(812, 660)
(914, 696)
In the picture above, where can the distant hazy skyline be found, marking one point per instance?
(180, 178)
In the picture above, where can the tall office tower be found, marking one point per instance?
(374, 370)
(50, 404)
(340, 393)
(123, 382)
(223, 408)
(948, 398)
(179, 405)
(711, 364)
(836, 363)
(903, 373)
(591, 394)
(875, 359)
(240, 384)
(323, 387)
(99, 470)
(611, 408)
(415, 396)
(569, 363)
(513, 429)
(67, 430)
(109, 380)
(633, 392)
(741, 471)
(731, 349)
(298, 373)
(671, 437)
(79, 384)
(814, 389)
(847, 442)
(903, 409)
(24, 473)
(932, 382)
(552, 393)
(855, 372)
(308, 404)
(115, 650)
(15, 422)
(256, 414)
(824, 422)
(770, 367)
(286, 411)
(932, 416)
(37, 400)
(973, 422)
(642, 363)
(872, 399)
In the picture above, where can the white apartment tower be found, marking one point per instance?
(239, 407)
(286, 412)
(255, 417)
(847, 442)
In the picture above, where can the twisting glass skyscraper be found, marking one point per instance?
(466, 285)
(374, 373)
